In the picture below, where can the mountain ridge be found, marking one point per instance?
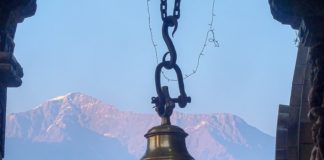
(59, 120)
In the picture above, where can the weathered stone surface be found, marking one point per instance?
(282, 133)
(304, 114)
(281, 154)
(296, 95)
(311, 30)
(288, 146)
(3, 101)
(305, 134)
(292, 12)
(292, 153)
(280, 12)
(305, 151)
(12, 12)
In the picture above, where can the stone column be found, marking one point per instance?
(312, 36)
(307, 17)
(12, 12)
(291, 140)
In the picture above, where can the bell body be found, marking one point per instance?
(166, 142)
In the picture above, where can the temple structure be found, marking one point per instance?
(300, 132)
(12, 12)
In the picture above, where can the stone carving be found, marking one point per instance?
(316, 111)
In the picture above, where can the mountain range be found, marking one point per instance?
(80, 127)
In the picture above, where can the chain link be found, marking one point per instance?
(176, 11)
(164, 9)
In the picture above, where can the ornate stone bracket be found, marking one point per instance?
(12, 12)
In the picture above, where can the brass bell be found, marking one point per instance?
(166, 142)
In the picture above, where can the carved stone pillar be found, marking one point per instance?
(308, 17)
(12, 12)
(316, 113)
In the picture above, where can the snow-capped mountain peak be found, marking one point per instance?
(77, 118)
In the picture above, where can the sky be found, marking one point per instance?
(103, 48)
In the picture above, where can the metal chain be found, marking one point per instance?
(176, 11)
(209, 38)
(164, 9)
(164, 104)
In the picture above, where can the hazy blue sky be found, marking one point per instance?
(102, 48)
